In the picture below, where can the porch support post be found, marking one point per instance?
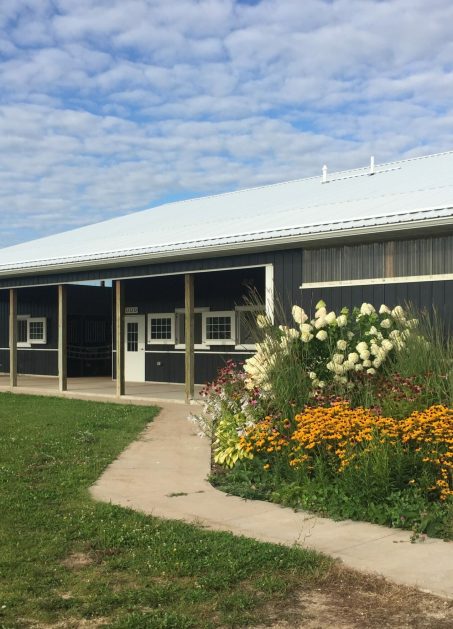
(13, 337)
(119, 320)
(62, 339)
(190, 336)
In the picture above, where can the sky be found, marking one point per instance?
(113, 106)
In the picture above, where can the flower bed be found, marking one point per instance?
(355, 422)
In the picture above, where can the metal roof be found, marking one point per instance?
(412, 192)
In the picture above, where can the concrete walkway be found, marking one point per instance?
(164, 474)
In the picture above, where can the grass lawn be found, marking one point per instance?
(66, 559)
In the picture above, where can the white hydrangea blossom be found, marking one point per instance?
(299, 315)
(330, 318)
(366, 309)
(375, 339)
(387, 345)
(320, 323)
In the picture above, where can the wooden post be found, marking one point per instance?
(62, 339)
(190, 336)
(13, 337)
(269, 292)
(119, 316)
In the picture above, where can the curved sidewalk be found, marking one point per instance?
(164, 473)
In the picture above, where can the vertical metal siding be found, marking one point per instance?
(410, 257)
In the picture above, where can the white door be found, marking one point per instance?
(134, 348)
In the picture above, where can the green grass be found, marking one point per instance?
(64, 557)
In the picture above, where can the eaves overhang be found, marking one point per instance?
(233, 245)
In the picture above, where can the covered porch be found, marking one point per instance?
(101, 389)
(146, 337)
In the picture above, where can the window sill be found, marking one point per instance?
(161, 341)
(210, 342)
(196, 346)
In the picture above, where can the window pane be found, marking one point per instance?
(132, 336)
(36, 330)
(218, 328)
(22, 331)
(161, 328)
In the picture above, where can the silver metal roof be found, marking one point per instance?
(413, 192)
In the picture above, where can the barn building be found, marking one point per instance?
(162, 295)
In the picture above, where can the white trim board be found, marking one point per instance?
(31, 349)
(202, 353)
(408, 279)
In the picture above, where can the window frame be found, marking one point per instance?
(29, 342)
(160, 315)
(179, 311)
(219, 313)
(253, 308)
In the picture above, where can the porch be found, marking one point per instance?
(101, 389)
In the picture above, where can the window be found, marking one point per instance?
(31, 331)
(218, 328)
(198, 328)
(132, 336)
(161, 328)
(247, 331)
(22, 331)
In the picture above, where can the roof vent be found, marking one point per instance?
(324, 174)
(372, 170)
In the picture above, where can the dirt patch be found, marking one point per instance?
(350, 600)
(72, 623)
(76, 561)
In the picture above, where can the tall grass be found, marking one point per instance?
(427, 355)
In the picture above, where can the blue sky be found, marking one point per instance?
(111, 106)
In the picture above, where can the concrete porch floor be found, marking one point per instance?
(100, 389)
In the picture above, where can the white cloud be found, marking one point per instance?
(110, 105)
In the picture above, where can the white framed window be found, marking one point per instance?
(161, 328)
(198, 328)
(31, 331)
(219, 328)
(247, 330)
